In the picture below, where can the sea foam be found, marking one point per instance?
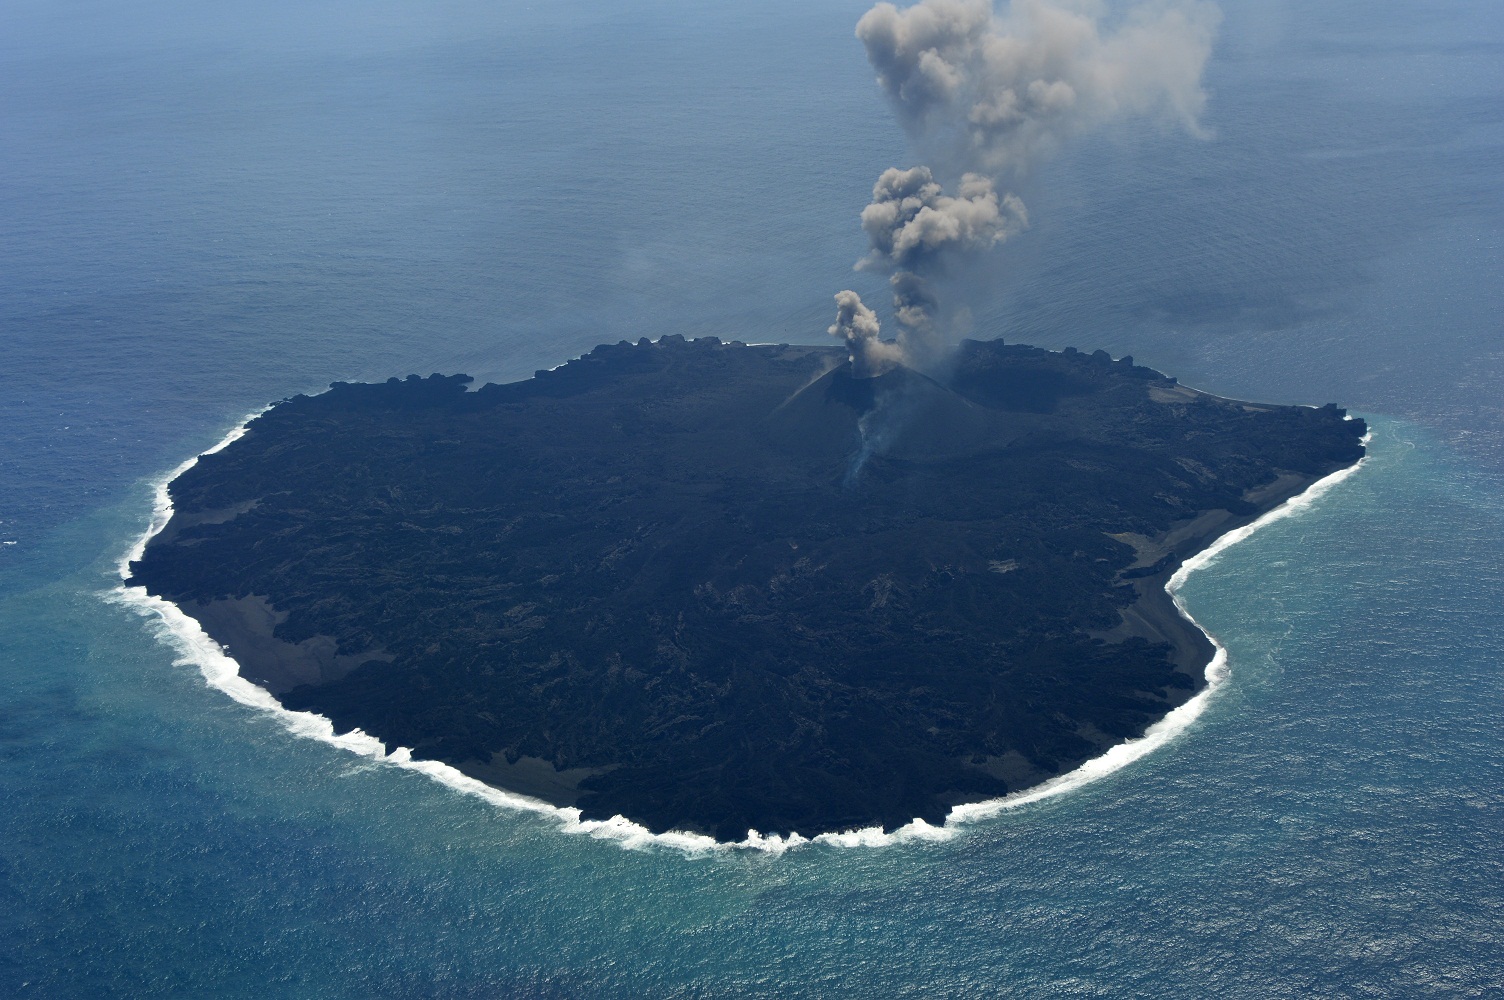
(194, 647)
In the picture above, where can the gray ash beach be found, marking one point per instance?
(713, 587)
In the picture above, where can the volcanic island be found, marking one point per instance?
(715, 587)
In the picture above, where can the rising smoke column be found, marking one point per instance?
(912, 224)
(989, 95)
(858, 326)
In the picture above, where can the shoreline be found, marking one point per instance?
(1155, 615)
(179, 630)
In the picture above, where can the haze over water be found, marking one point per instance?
(205, 209)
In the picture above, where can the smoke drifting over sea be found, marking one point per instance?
(1002, 91)
(987, 95)
(911, 219)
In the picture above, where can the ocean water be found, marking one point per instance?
(206, 208)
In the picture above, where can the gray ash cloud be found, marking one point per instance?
(989, 93)
(858, 326)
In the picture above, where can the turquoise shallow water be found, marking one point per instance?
(206, 210)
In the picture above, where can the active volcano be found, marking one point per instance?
(716, 587)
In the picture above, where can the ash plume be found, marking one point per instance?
(991, 94)
(1003, 90)
(914, 226)
(913, 302)
(911, 219)
(859, 327)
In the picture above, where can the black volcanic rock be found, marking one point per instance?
(719, 587)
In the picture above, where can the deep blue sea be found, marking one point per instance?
(207, 207)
